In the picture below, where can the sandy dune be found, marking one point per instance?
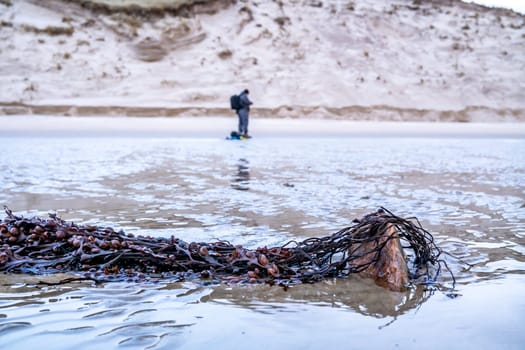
(357, 60)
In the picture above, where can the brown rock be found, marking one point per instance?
(388, 266)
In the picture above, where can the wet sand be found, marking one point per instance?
(171, 176)
(259, 127)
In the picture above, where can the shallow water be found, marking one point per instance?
(468, 192)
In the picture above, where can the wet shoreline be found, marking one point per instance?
(220, 127)
(467, 191)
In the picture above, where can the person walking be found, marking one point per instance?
(244, 113)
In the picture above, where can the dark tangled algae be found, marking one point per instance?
(42, 246)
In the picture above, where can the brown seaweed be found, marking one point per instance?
(42, 246)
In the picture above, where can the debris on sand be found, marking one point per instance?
(370, 247)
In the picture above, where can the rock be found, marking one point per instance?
(389, 269)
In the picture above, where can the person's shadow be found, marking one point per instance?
(241, 178)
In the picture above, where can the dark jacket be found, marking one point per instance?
(245, 102)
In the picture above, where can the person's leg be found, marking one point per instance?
(243, 122)
(246, 124)
(240, 122)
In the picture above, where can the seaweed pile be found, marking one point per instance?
(52, 245)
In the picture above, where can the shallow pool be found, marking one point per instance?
(468, 192)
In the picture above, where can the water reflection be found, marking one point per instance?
(241, 179)
(362, 296)
(470, 197)
(153, 315)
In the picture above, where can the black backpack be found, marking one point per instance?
(235, 102)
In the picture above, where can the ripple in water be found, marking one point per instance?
(467, 192)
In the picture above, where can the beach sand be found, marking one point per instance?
(209, 127)
(364, 60)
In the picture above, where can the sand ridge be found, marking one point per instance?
(359, 60)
